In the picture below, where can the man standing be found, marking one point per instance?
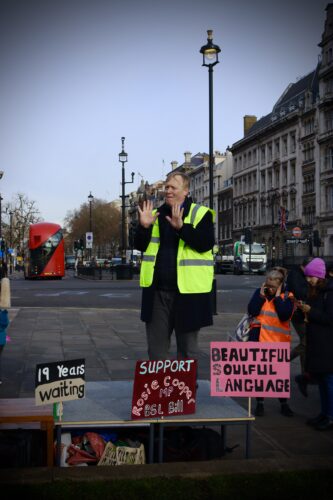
(177, 269)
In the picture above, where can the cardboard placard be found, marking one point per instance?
(250, 369)
(164, 388)
(60, 381)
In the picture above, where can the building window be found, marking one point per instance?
(284, 175)
(308, 126)
(263, 182)
(292, 142)
(277, 148)
(309, 213)
(270, 151)
(328, 159)
(292, 171)
(308, 152)
(292, 214)
(263, 154)
(329, 198)
(254, 212)
(270, 179)
(277, 178)
(329, 121)
(285, 145)
(308, 184)
(263, 213)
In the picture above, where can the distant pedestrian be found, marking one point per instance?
(4, 321)
(272, 307)
(319, 334)
(298, 285)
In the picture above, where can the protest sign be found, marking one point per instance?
(164, 388)
(250, 369)
(60, 381)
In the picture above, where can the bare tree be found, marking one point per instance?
(21, 213)
(105, 224)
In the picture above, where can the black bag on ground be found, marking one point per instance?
(187, 444)
(22, 448)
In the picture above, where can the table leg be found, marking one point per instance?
(58, 448)
(223, 439)
(248, 440)
(151, 444)
(160, 443)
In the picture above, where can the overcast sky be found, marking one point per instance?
(77, 75)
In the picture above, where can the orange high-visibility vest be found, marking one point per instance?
(272, 329)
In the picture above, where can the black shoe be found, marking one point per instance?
(286, 411)
(316, 420)
(260, 410)
(324, 425)
(302, 383)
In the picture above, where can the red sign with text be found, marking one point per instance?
(164, 388)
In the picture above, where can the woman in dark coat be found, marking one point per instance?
(319, 332)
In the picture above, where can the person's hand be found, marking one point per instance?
(305, 308)
(176, 219)
(278, 291)
(262, 290)
(146, 216)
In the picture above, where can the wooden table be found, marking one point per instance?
(24, 410)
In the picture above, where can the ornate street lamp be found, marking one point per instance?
(90, 198)
(123, 157)
(210, 56)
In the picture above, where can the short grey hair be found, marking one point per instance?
(274, 274)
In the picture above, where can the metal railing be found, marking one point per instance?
(119, 272)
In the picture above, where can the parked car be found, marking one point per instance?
(115, 261)
(69, 261)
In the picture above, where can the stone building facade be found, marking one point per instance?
(283, 166)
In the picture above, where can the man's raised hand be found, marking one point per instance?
(146, 216)
(176, 219)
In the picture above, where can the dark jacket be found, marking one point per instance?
(297, 284)
(319, 331)
(193, 311)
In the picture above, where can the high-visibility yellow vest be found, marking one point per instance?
(195, 271)
(272, 329)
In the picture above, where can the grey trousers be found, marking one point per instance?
(161, 326)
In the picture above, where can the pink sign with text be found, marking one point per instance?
(250, 369)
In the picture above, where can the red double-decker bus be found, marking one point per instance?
(45, 253)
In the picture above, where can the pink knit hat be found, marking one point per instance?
(316, 268)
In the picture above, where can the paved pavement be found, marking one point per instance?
(112, 340)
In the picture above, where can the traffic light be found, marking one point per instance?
(316, 238)
(76, 245)
(81, 244)
(248, 236)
